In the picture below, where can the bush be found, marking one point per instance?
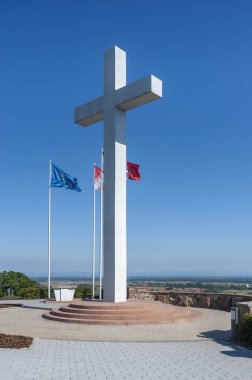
(43, 293)
(245, 331)
(83, 292)
(17, 285)
(29, 293)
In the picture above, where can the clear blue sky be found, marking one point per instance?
(192, 211)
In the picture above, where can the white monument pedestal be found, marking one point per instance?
(64, 293)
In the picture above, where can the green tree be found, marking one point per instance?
(83, 292)
(18, 285)
(43, 292)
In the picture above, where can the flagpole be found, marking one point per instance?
(93, 240)
(101, 228)
(49, 229)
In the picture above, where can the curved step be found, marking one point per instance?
(118, 322)
(108, 317)
(131, 312)
(105, 322)
(117, 306)
(109, 312)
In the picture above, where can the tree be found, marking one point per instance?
(83, 292)
(18, 285)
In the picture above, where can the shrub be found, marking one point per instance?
(43, 293)
(17, 285)
(83, 292)
(245, 331)
(29, 293)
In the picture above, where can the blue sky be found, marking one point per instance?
(192, 211)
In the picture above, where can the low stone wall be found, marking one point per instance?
(218, 301)
(140, 293)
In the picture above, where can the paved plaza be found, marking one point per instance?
(62, 359)
(193, 350)
(27, 321)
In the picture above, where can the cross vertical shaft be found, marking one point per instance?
(118, 98)
(114, 225)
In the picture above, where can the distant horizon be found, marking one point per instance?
(158, 274)
(148, 274)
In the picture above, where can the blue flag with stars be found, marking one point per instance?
(62, 179)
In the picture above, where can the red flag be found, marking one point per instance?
(133, 171)
(98, 177)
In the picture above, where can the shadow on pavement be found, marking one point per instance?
(224, 338)
(36, 307)
(216, 335)
(238, 352)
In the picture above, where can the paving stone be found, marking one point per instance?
(185, 351)
(54, 359)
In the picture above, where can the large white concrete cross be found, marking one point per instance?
(111, 107)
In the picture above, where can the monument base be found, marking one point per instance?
(64, 294)
(122, 313)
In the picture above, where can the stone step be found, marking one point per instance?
(111, 317)
(117, 306)
(130, 312)
(110, 311)
(106, 322)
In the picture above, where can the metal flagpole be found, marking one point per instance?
(101, 228)
(94, 239)
(49, 229)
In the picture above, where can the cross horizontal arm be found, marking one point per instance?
(133, 95)
(89, 113)
(138, 93)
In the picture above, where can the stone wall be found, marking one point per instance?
(219, 301)
(140, 293)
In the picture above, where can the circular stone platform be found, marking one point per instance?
(28, 321)
(122, 313)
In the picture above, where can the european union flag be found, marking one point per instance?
(62, 179)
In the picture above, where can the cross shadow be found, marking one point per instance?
(224, 338)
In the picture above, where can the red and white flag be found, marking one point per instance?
(133, 171)
(98, 178)
(132, 174)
